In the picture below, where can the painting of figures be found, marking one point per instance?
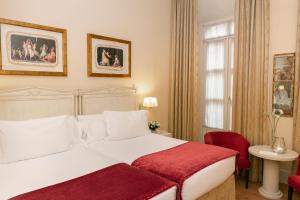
(108, 57)
(32, 49)
(283, 83)
(284, 67)
(112, 57)
(283, 97)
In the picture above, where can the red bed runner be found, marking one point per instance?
(181, 162)
(117, 182)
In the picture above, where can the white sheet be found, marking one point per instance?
(25, 176)
(131, 149)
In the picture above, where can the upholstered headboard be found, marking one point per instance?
(35, 102)
(109, 98)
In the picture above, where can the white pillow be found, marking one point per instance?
(125, 125)
(21, 140)
(92, 127)
(73, 131)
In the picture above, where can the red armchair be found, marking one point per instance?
(294, 182)
(235, 141)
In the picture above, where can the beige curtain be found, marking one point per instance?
(296, 128)
(183, 99)
(250, 88)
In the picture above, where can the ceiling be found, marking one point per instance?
(212, 10)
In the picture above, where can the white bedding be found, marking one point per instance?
(25, 176)
(131, 149)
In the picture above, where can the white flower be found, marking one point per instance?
(273, 119)
(154, 125)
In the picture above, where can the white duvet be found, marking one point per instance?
(131, 149)
(25, 176)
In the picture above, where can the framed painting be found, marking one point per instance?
(31, 49)
(283, 83)
(108, 57)
(284, 67)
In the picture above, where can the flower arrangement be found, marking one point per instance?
(273, 119)
(153, 125)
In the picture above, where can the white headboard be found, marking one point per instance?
(35, 102)
(110, 98)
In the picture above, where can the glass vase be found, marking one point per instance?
(278, 145)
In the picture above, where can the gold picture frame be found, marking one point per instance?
(108, 57)
(283, 83)
(40, 60)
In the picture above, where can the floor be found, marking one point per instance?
(252, 194)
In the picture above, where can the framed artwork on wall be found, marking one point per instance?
(31, 49)
(108, 57)
(283, 83)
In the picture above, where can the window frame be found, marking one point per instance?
(227, 71)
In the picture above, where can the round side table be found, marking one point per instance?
(270, 187)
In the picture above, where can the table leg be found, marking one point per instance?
(270, 188)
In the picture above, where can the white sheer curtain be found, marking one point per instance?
(218, 42)
(214, 90)
(218, 30)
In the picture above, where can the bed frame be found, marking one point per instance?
(225, 191)
(35, 102)
(112, 98)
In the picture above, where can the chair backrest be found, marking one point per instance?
(231, 140)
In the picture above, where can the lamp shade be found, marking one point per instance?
(150, 102)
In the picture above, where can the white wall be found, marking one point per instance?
(144, 22)
(211, 10)
(283, 29)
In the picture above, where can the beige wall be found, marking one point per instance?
(283, 40)
(146, 23)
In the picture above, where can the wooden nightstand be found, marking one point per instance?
(164, 133)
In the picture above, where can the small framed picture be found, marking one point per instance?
(283, 83)
(283, 97)
(108, 57)
(284, 67)
(31, 49)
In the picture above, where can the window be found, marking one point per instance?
(218, 72)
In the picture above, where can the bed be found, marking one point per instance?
(131, 149)
(25, 176)
(209, 183)
(28, 175)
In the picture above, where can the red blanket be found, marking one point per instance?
(181, 162)
(117, 182)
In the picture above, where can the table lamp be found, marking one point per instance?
(150, 102)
